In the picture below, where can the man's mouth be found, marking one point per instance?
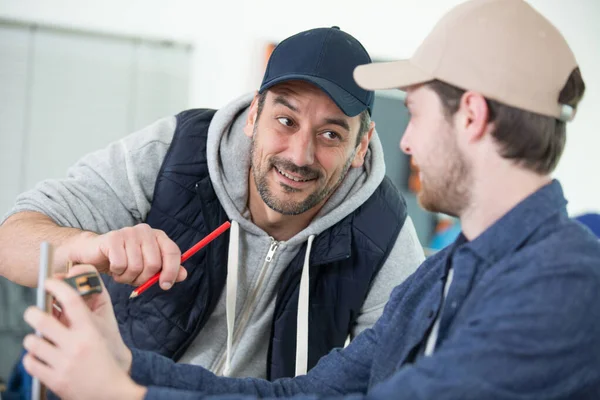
(292, 177)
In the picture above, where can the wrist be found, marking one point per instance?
(77, 243)
(71, 248)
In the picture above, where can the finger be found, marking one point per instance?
(171, 259)
(38, 369)
(182, 275)
(47, 325)
(113, 248)
(151, 257)
(42, 350)
(73, 306)
(135, 261)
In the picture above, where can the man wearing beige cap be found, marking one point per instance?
(511, 310)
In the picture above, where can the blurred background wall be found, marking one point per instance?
(228, 39)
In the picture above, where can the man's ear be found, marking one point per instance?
(361, 151)
(252, 115)
(474, 115)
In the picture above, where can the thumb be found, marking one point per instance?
(71, 303)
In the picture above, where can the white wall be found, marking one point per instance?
(229, 37)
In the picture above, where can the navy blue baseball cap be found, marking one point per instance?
(325, 57)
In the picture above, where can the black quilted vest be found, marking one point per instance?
(344, 261)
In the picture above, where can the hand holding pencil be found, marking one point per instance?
(131, 255)
(193, 250)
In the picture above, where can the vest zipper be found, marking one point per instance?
(250, 304)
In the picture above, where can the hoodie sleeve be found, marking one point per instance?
(404, 259)
(107, 189)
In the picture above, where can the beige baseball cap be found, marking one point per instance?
(503, 49)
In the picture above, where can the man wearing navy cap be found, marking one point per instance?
(319, 235)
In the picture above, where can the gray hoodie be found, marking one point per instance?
(113, 188)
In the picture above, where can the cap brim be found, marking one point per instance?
(349, 104)
(390, 75)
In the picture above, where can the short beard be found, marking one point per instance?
(449, 193)
(292, 207)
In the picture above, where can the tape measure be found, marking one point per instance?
(86, 283)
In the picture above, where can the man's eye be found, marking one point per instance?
(285, 121)
(331, 135)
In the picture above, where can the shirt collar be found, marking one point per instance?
(512, 229)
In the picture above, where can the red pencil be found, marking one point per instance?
(142, 288)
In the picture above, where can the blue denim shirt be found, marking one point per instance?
(521, 321)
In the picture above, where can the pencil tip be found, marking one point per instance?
(133, 295)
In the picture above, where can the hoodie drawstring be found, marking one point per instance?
(231, 293)
(231, 296)
(302, 322)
